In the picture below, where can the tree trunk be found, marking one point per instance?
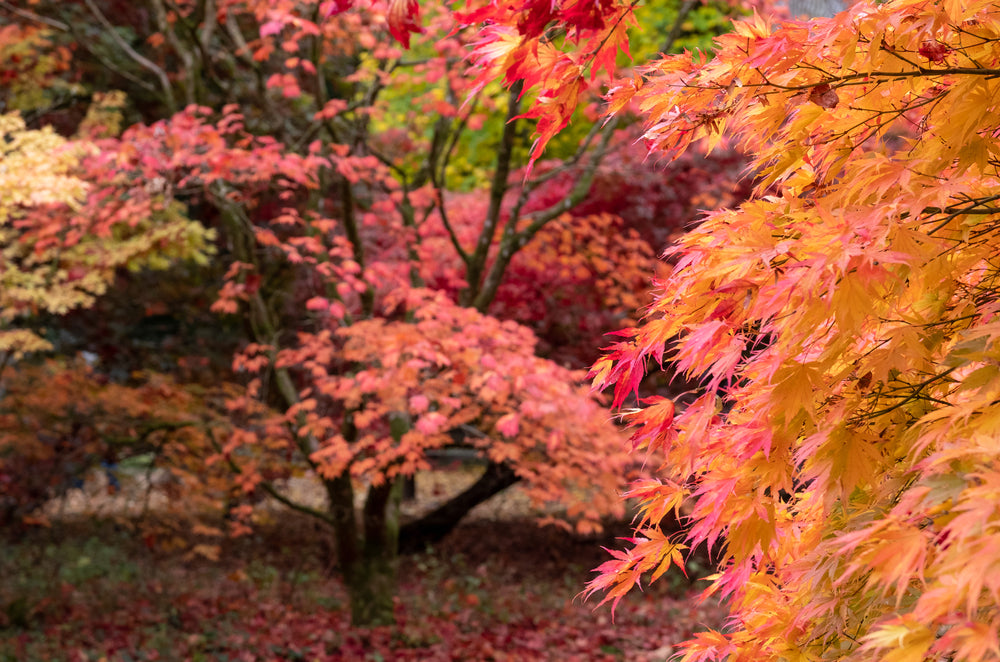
(371, 587)
(431, 528)
(370, 577)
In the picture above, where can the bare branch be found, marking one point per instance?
(499, 187)
(579, 191)
(271, 490)
(513, 240)
(452, 235)
(32, 16)
(132, 53)
(242, 47)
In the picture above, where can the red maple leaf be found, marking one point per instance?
(404, 20)
(824, 96)
(934, 51)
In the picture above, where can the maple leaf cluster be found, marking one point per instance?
(61, 420)
(72, 213)
(840, 455)
(451, 373)
(515, 45)
(35, 173)
(31, 68)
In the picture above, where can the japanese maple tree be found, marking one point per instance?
(840, 456)
(70, 219)
(36, 173)
(367, 216)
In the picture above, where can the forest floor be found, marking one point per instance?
(497, 588)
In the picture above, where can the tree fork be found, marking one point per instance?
(434, 526)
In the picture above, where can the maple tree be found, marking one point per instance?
(40, 160)
(61, 419)
(372, 226)
(839, 456)
(372, 220)
(69, 220)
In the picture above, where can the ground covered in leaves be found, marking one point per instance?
(493, 590)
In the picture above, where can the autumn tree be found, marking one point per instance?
(36, 173)
(839, 458)
(65, 232)
(379, 230)
(61, 419)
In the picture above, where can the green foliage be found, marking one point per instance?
(657, 20)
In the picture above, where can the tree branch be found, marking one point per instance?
(513, 240)
(271, 490)
(132, 53)
(499, 187)
(415, 536)
(32, 16)
(866, 78)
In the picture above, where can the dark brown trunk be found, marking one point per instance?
(433, 527)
